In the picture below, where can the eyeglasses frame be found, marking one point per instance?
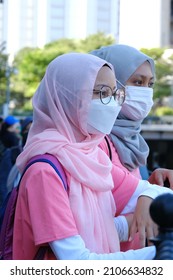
(118, 93)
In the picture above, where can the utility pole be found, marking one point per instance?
(6, 104)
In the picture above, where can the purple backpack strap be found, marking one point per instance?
(53, 161)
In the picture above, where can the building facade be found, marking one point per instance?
(33, 23)
(37, 22)
(146, 23)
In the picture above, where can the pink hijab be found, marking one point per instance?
(60, 108)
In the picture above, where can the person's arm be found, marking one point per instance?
(160, 176)
(139, 204)
(144, 188)
(73, 248)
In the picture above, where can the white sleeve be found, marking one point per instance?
(122, 227)
(144, 188)
(73, 248)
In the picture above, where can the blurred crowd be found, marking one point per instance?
(13, 135)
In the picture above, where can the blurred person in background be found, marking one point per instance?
(25, 126)
(10, 132)
(2, 147)
(14, 175)
(10, 137)
(11, 175)
(1, 121)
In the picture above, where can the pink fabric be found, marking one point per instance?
(125, 184)
(132, 245)
(59, 127)
(43, 211)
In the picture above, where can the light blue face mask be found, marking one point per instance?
(138, 102)
(101, 117)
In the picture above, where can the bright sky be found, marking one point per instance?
(140, 23)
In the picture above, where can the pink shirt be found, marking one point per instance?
(125, 182)
(43, 212)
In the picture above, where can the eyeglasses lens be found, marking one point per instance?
(106, 94)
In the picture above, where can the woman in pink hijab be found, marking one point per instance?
(71, 108)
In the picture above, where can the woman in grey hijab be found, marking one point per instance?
(130, 145)
(135, 73)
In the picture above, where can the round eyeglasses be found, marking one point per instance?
(106, 93)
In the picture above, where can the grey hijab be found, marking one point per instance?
(125, 135)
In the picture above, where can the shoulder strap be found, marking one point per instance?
(109, 148)
(53, 161)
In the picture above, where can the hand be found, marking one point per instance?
(160, 175)
(142, 222)
(129, 219)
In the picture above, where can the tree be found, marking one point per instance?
(95, 41)
(32, 62)
(3, 79)
(164, 70)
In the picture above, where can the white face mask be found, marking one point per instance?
(101, 117)
(138, 102)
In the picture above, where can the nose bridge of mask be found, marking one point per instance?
(98, 101)
(135, 93)
(112, 102)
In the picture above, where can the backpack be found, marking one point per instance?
(6, 233)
